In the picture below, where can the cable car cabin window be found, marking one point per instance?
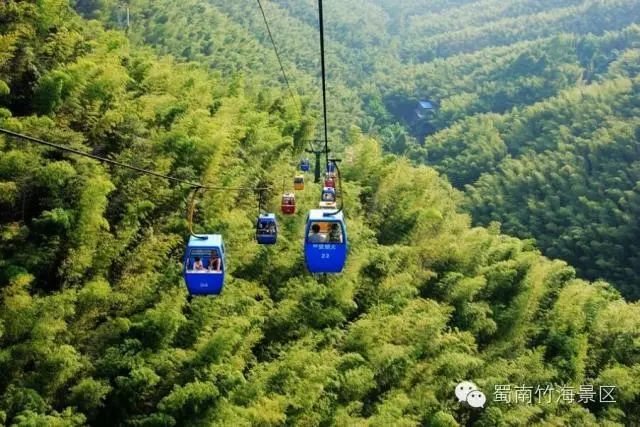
(328, 196)
(325, 232)
(267, 225)
(298, 180)
(268, 229)
(204, 261)
(289, 200)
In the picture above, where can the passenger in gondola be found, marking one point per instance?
(335, 235)
(263, 228)
(197, 264)
(214, 264)
(315, 236)
(328, 197)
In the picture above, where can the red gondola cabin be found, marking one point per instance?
(329, 182)
(288, 204)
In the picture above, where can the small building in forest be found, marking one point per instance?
(424, 108)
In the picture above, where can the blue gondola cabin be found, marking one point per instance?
(204, 265)
(267, 229)
(328, 194)
(325, 246)
(305, 165)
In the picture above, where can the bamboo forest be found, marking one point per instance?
(319, 213)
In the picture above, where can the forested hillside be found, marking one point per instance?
(95, 324)
(537, 114)
(483, 63)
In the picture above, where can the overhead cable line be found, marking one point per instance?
(275, 49)
(324, 81)
(329, 161)
(195, 185)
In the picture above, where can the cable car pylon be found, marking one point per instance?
(317, 153)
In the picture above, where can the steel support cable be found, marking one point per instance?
(275, 49)
(324, 107)
(195, 185)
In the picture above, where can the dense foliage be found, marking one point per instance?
(537, 113)
(507, 79)
(482, 63)
(95, 325)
